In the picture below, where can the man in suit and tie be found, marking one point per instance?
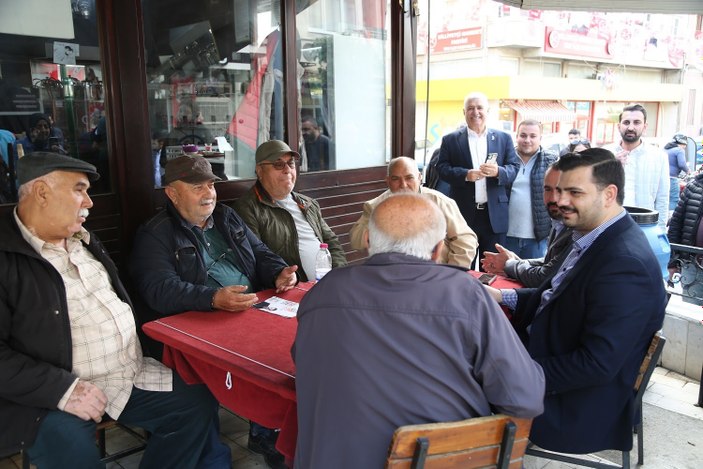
(478, 163)
(532, 272)
(590, 325)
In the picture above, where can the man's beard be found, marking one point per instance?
(631, 137)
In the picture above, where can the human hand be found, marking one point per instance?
(286, 279)
(489, 170)
(494, 262)
(233, 298)
(495, 293)
(473, 175)
(87, 401)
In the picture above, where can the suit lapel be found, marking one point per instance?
(600, 243)
(464, 146)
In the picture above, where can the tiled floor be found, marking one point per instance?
(673, 431)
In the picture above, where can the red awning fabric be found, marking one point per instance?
(542, 111)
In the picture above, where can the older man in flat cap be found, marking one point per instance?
(199, 255)
(290, 223)
(69, 352)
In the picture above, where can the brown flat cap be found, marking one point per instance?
(189, 169)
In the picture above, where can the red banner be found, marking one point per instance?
(461, 39)
(573, 43)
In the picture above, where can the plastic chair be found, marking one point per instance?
(496, 441)
(651, 358)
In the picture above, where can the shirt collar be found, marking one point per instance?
(38, 243)
(584, 241)
(474, 134)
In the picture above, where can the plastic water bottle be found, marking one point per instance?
(323, 262)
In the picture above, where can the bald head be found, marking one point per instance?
(408, 224)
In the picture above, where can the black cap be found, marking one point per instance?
(40, 163)
(681, 139)
(36, 117)
(189, 169)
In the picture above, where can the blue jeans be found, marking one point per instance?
(673, 193)
(180, 423)
(526, 248)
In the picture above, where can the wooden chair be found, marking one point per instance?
(100, 430)
(484, 442)
(651, 358)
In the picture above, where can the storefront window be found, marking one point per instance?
(51, 89)
(215, 81)
(343, 68)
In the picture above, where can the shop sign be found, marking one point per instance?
(461, 39)
(573, 43)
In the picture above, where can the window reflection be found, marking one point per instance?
(51, 89)
(215, 80)
(343, 86)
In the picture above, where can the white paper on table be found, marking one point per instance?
(281, 307)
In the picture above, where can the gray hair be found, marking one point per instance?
(476, 95)
(26, 188)
(420, 239)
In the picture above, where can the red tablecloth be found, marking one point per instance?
(500, 281)
(244, 358)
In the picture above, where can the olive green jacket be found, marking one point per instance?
(276, 227)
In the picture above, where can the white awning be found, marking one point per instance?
(542, 111)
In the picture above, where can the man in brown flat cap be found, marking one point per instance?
(69, 352)
(199, 255)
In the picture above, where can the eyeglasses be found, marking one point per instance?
(279, 165)
(583, 141)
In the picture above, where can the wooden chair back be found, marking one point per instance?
(497, 441)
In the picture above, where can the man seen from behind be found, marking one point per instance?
(401, 340)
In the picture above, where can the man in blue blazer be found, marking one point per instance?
(590, 325)
(478, 163)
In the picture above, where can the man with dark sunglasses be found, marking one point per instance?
(289, 223)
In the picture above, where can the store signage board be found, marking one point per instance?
(41, 18)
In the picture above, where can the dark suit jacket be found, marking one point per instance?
(455, 160)
(533, 272)
(590, 339)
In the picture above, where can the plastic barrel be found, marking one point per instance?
(647, 220)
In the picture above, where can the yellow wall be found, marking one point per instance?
(447, 96)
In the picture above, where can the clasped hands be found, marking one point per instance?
(486, 170)
(234, 298)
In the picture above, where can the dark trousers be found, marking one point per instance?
(480, 222)
(179, 421)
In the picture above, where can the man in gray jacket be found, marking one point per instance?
(532, 272)
(401, 340)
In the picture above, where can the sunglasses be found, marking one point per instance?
(583, 141)
(279, 165)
